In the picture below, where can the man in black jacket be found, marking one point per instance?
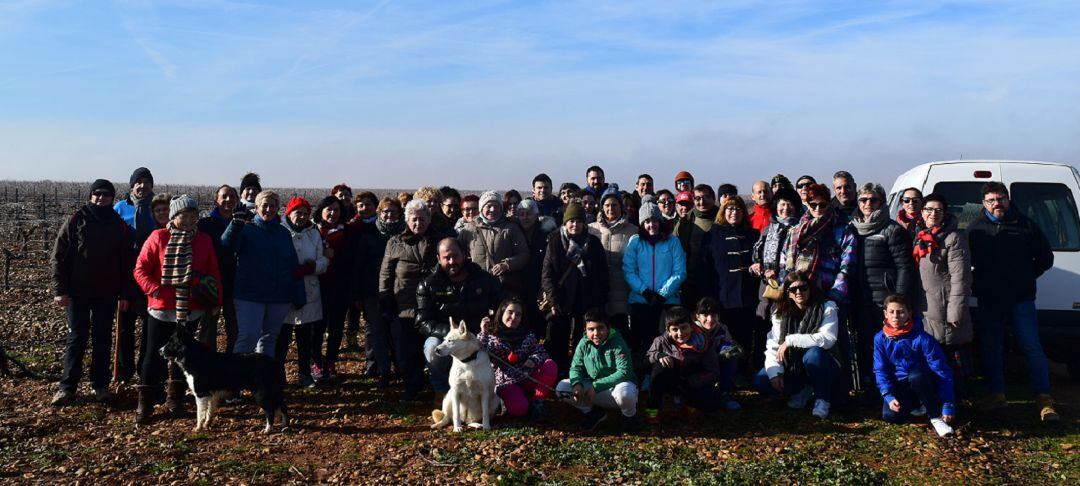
(1008, 253)
(459, 290)
(225, 202)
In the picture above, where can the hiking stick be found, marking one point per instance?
(116, 344)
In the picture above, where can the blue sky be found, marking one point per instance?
(486, 94)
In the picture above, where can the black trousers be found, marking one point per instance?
(666, 381)
(154, 365)
(127, 360)
(408, 353)
(749, 331)
(562, 335)
(303, 345)
(645, 324)
(332, 326)
(88, 318)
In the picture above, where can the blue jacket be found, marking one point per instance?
(895, 359)
(661, 268)
(265, 260)
(127, 212)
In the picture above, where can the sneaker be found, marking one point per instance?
(1046, 408)
(537, 411)
(103, 395)
(62, 398)
(631, 425)
(691, 411)
(919, 412)
(993, 402)
(799, 400)
(593, 418)
(943, 429)
(317, 372)
(730, 404)
(306, 381)
(821, 409)
(652, 416)
(646, 384)
(676, 399)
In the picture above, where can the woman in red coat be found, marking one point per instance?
(178, 271)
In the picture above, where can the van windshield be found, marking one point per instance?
(1051, 206)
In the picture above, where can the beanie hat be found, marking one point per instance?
(490, 197)
(726, 190)
(103, 184)
(297, 203)
(182, 203)
(573, 211)
(250, 179)
(649, 210)
(683, 175)
(140, 173)
(780, 179)
(611, 192)
(529, 206)
(684, 196)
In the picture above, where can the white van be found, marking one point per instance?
(1043, 191)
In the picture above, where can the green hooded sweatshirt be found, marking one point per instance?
(602, 366)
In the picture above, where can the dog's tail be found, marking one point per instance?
(442, 418)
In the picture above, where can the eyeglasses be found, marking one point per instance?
(868, 200)
(911, 200)
(816, 206)
(797, 289)
(933, 210)
(701, 198)
(995, 200)
(731, 209)
(101, 194)
(802, 185)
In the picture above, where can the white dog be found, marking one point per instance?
(472, 397)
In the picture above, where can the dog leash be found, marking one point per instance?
(557, 393)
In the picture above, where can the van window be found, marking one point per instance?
(1052, 207)
(965, 200)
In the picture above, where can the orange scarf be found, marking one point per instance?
(895, 333)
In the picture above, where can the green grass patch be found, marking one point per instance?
(159, 467)
(650, 463)
(799, 468)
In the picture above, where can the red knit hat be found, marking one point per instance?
(297, 202)
(683, 175)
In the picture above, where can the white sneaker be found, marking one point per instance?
(821, 409)
(799, 400)
(919, 412)
(943, 429)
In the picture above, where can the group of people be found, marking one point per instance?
(592, 295)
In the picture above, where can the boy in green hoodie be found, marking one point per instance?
(602, 376)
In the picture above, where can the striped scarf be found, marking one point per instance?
(176, 271)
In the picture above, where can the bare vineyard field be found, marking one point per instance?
(357, 433)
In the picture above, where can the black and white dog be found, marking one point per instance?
(211, 374)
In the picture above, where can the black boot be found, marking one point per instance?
(174, 397)
(145, 408)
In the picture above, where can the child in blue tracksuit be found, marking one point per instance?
(912, 373)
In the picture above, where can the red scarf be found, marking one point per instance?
(925, 242)
(907, 221)
(895, 333)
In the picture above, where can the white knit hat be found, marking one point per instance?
(490, 197)
(180, 203)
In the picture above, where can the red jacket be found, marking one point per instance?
(152, 257)
(760, 217)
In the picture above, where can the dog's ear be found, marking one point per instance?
(462, 328)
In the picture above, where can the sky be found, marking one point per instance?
(486, 94)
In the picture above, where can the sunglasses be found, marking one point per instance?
(664, 201)
(797, 289)
(101, 194)
(933, 210)
(911, 200)
(803, 185)
(868, 200)
(816, 206)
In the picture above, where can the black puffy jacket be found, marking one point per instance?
(885, 264)
(438, 299)
(1008, 256)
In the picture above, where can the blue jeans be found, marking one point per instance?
(1025, 325)
(438, 366)
(258, 325)
(821, 370)
(916, 389)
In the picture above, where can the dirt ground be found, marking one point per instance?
(355, 433)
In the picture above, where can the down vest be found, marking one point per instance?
(660, 268)
(885, 264)
(614, 237)
(946, 280)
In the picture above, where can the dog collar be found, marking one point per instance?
(471, 357)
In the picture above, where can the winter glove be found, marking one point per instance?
(652, 298)
(731, 352)
(303, 270)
